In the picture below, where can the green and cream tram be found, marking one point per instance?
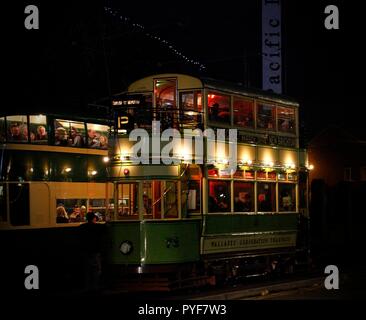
(197, 209)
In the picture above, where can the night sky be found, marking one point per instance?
(81, 54)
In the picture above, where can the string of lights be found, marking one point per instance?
(150, 35)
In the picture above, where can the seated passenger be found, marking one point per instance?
(41, 133)
(103, 141)
(15, 133)
(93, 141)
(76, 140)
(24, 133)
(75, 215)
(242, 202)
(61, 215)
(60, 137)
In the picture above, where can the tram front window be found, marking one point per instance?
(127, 201)
(165, 102)
(160, 199)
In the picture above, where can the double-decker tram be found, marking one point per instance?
(209, 181)
(53, 171)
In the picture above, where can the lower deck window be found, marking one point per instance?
(266, 197)
(19, 204)
(219, 199)
(243, 196)
(287, 197)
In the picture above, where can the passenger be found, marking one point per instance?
(92, 240)
(93, 141)
(41, 133)
(103, 141)
(243, 203)
(75, 215)
(61, 215)
(24, 133)
(82, 213)
(76, 140)
(60, 137)
(15, 133)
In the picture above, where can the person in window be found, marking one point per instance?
(215, 112)
(61, 215)
(243, 203)
(76, 138)
(41, 133)
(93, 141)
(103, 142)
(24, 133)
(60, 137)
(15, 133)
(286, 202)
(75, 215)
(264, 203)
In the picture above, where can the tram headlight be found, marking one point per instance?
(126, 247)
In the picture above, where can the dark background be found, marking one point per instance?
(81, 53)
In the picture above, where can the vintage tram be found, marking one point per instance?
(192, 214)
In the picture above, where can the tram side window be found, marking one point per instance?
(243, 196)
(219, 198)
(244, 113)
(3, 210)
(286, 119)
(218, 108)
(37, 126)
(97, 137)
(2, 130)
(99, 207)
(287, 197)
(71, 210)
(266, 116)
(17, 129)
(266, 197)
(68, 133)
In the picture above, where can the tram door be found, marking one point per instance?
(126, 201)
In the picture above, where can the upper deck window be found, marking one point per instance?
(266, 116)
(243, 113)
(38, 129)
(165, 102)
(68, 133)
(218, 107)
(286, 119)
(17, 129)
(97, 136)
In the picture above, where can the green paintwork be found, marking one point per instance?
(240, 223)
(155, 242)
(119, 232)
